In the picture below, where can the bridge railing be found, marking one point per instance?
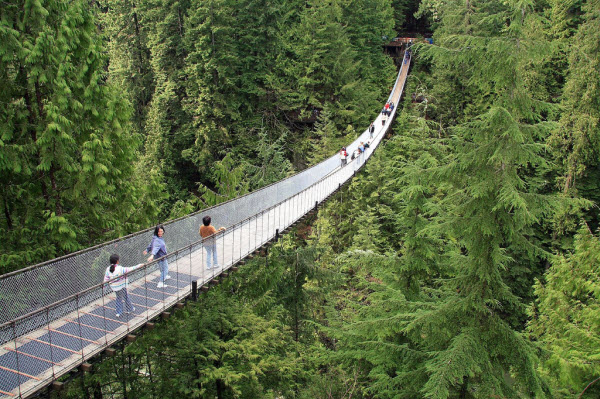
(57, 314)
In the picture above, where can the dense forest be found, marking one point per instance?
(462, 262)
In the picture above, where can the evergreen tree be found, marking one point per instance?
(270, 165)
(577, 140)
(222, 349)
(129, 65)
(233, 46)
(565, 318)
(67, 147)
(168, 133)
(490, 208)
(322, 69)
(212, 66)
(229, 181)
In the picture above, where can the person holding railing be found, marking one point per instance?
(158, 248)
(207, 232)
(116, 277)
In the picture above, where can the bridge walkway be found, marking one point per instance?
(45, 343)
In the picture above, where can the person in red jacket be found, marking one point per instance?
(343, 157)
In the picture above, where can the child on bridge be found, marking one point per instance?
(116, 277)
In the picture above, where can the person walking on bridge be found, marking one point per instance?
(207, 232)
(343, 157)
(116, 277)
(157, 249)
(372, 129)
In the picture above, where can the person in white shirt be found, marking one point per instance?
(343, 157)
(116, 277)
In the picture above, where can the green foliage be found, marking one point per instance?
(414, 280)
(167, 132)
(67, 148)
(577, 140)
(565, 316)
(270, 164)
(225, 350)
(228, 177)
(129, 55)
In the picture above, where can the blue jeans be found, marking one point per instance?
(122, 296)
(211, 255)
(164, 269)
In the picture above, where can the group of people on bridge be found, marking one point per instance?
(116, 275)
(355, 154)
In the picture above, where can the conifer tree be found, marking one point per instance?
(229, 181)
(67, 150)
(168, 133)
(578, 138)
(322, 67)
(222, 349)
(233, 47)
(270, 165)
(490, 208)
(565, 317)
(212, 65)
(129, 56)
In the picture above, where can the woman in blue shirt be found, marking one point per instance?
(158, 249)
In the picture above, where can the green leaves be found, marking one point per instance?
(67, 143)
(565, 315)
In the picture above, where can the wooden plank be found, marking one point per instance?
(18, 372)
(32, 356)
(88, 326)
(49, 344)
(74, 336)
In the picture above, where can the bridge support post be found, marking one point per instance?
(276, 234)
(316, 206)
(194, 290)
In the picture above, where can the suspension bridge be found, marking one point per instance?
(56, 315)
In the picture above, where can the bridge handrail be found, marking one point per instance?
(71, 330)
(171, 222)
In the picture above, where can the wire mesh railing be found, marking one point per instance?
(57, 314)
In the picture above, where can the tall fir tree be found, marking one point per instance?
(565, 317)
(168, 133)
(68, 149)
(577, 141)
(129, 56)
(491, 206)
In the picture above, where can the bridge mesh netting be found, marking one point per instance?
(59, 313)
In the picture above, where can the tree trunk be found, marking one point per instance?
(220, 385)
(7, 215)
(32, 133)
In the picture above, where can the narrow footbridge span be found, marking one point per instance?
(56, 315)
